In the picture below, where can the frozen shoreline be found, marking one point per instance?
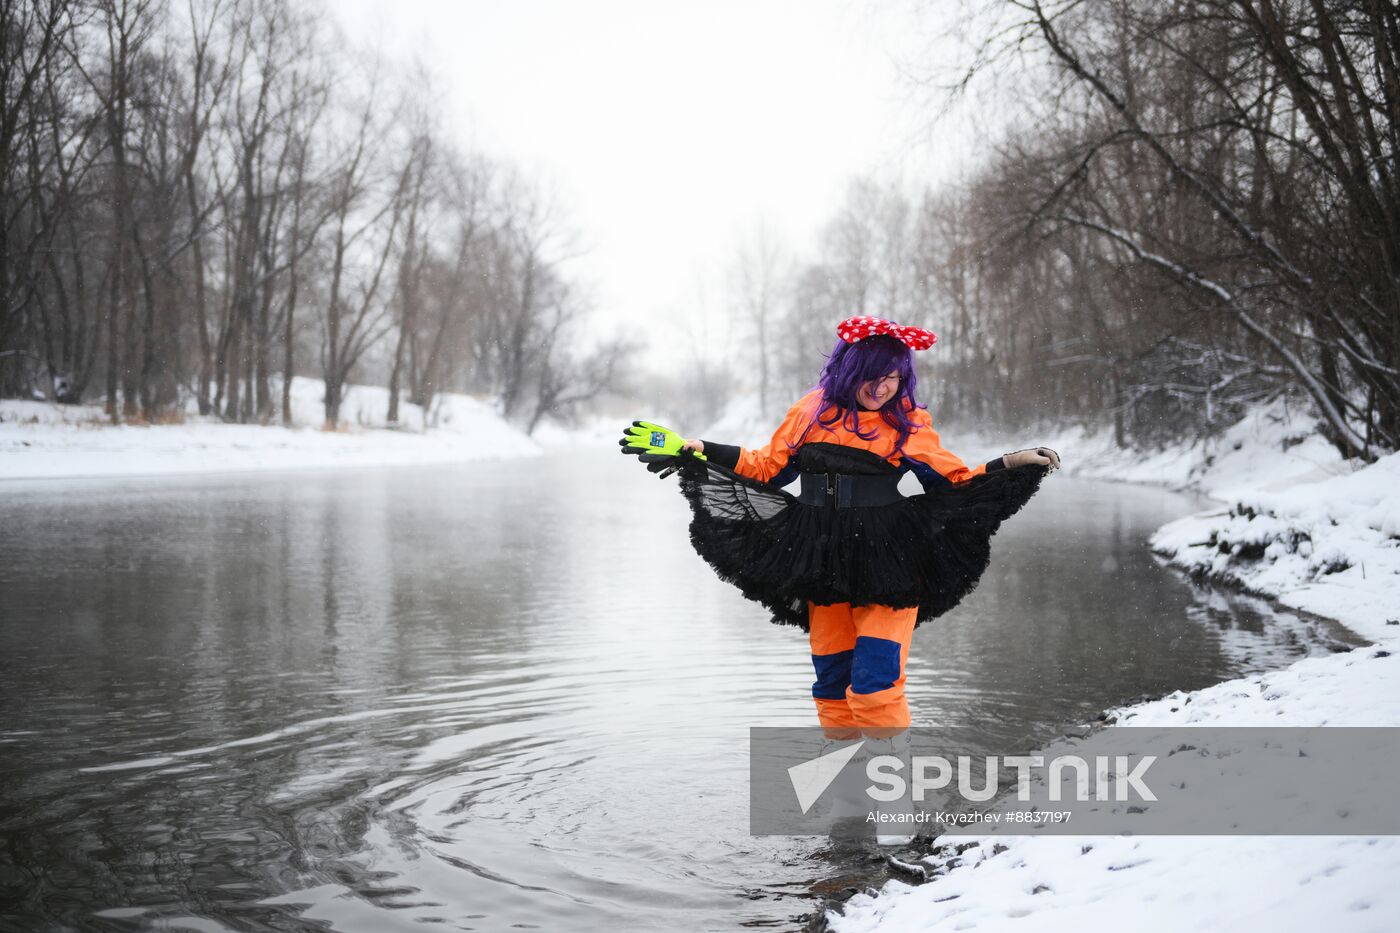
(1304, 528)
(41, 440)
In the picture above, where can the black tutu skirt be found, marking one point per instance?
(927, 550)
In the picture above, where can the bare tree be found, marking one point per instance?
(128, 25)
(531, 305)
(571, 379)
(456, 295)
(417, 249)
(186, 187)
(1228, 152)
(367, 203)
(43, 255)
(31, 37)
(759, 283)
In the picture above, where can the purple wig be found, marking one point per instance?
(850, 366)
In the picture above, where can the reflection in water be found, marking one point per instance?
(472, 696)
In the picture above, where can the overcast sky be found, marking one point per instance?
(671, 129)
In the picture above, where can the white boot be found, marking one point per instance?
(846, 797)
(896, 818)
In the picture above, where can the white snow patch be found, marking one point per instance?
(40, 440)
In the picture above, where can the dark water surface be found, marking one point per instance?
(491, 697)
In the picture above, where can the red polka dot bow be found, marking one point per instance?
(858, 328)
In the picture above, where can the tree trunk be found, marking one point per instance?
(288, 343)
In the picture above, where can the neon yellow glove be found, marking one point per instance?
(654, 445)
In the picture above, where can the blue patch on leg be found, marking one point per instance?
(833, 675)
(876, 664)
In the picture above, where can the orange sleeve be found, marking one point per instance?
(929, 459)
(764, 463)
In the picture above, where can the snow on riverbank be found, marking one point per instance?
(1175, 883)
(1329, 547)
(1271, 447)
(1297, 524)
(39, 440)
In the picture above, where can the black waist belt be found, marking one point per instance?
(849, 490)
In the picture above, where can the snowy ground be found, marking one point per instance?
(41, 440)
(1299, 525)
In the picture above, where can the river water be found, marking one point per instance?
(490, 697)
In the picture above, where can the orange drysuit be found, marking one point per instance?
(859, 653)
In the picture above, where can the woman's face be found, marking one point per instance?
(874, 394)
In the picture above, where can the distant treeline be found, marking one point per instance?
(203, 197)
(1198, 211)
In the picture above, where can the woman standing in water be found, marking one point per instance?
(850, 559)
